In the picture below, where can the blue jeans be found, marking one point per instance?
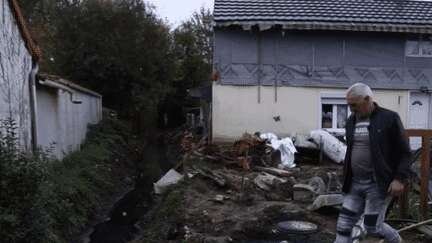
(364, 198)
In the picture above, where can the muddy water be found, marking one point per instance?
(119, 228)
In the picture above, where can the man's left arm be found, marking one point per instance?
(401, 145)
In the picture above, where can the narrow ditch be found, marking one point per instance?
(120, 224)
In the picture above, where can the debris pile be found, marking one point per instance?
(243, 190)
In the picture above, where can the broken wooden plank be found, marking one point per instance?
(426, 229)
(219, 180)
(274, 171)
(416, 225)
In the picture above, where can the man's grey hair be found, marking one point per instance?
(359, 90)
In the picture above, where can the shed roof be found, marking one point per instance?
(67, 83)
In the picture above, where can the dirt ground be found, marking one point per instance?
(250, 214)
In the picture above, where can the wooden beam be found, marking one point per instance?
(403, 202)
(426, 136)
(418, 132)
(424, 182)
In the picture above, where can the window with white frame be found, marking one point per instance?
(334, 112)
(419, 47)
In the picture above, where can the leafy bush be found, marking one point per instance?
(20, 177)
(45, 200)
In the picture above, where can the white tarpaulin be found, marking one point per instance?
(285, 146)
(331, 146)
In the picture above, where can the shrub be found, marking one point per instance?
(46, 200)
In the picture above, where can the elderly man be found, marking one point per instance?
(376, 165)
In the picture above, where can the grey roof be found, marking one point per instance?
(378, 12)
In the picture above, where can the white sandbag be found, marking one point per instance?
(302, 141)
(170, 178)
(286, 148)
(331, 146)
(268, 136)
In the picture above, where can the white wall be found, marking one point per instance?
(62, 125)
(15, 67)
(236, 109)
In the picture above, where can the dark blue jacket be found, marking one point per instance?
(390, 150)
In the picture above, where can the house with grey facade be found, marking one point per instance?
(49, 112)
(283, 65)
(19, 56)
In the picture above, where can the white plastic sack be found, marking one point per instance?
(332, 147)
(268, 136)
(170, 178)
(285, 146)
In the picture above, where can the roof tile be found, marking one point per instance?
(353, 11)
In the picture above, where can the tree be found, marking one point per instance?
(123, 50)
(193, 48)
(119, 48)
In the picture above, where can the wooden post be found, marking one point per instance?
(321, 153)
(403, 202)
(424, 183)
(426, 136)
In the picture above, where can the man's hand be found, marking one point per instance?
(396, 188)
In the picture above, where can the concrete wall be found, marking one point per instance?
(236, 109)
(318, 58)
(15, 67)
(62, 125)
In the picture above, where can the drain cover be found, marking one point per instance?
(297, 227)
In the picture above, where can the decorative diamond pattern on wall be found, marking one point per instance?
(269, 74)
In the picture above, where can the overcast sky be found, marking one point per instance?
(178, 10)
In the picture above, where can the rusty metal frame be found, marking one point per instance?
(426, 136)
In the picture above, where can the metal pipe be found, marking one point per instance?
(259, 56)
(276, 53)
(33, 107)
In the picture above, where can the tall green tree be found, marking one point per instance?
(124, 50)
(193, 49)
(120, 48)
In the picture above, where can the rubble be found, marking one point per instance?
(303, 192)
(334, 185)
(267, 181)
(214, 176)
(220, 198)
(170, 178)
(259, 194)
(236, 192)
(219, 239)
(318, 185)
(329, 200)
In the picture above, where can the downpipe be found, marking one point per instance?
(33, 106)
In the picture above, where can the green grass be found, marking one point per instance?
(164, 216)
